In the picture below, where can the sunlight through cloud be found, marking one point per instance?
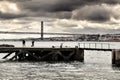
(9, 7)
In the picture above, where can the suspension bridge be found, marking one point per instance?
(10, 32)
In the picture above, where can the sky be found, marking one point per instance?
(68, 16)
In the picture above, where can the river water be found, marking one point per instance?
(97, 65)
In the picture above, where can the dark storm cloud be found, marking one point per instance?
(38, 5)
(10, 15)
(61, 5)
(64, 8)
(94, 12)
(70, 5)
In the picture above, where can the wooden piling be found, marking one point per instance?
(16, 55)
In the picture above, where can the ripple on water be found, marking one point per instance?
(57, 71)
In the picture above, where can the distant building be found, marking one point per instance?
(110, 37)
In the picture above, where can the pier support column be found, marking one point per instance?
(116, 57)
(16, 55)
(79, 55)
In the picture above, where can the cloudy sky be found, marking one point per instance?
(69, 16)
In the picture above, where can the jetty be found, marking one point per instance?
(54, 53)
(43, 54)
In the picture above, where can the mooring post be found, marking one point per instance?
(61, 45)
(53, 46)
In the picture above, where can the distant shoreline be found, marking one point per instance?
(51, 40)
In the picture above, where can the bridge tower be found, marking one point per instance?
(42, 30)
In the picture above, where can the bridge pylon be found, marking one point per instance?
(42, 28)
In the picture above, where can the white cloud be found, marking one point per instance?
(9, 7)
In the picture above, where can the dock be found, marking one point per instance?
(42, 54)
(53, 54)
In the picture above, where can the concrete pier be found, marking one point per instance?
(116, 57)
(79, 54)
(53, 53)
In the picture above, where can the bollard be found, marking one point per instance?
(53, 46)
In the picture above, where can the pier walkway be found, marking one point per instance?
(55, 53)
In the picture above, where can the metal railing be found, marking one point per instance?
(95, 45)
